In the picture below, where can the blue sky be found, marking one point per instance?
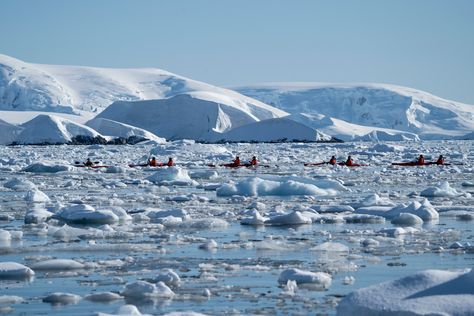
(425, 44)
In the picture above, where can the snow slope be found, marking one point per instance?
(272, 130)
(52, 129)
(375, 105)
(347, 131)
(54, 88)
(117, 129)
(195, 115)
(8, 132)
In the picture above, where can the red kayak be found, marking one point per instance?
(408, 164)
(92, 167)
(231, 165)
(353, 165)
(147, 165)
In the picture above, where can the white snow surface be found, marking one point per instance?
(116, 129)
(283, 186)
(26, 86)
(373, 105)
(301, 276)
(195, 115)
(272, 130)
(8, 132)
(52, 129)
(14, 270)
(430, 292)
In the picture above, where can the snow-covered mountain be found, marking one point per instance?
(375, 105)
(116, 129)
(193, 115)
(54, 88)
(8, 132)
(274, 130)
(52, 129)
(351, 132)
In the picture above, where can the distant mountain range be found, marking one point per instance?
(141, 101)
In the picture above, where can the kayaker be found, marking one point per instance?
(332, 161)
(170, 162)
(152, 162)
(254, 161)
(440, 160)
(421, 161)
(88, 163)
(349, 161)
(236, 162)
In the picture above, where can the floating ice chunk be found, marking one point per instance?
(331, 247)
(209, 245)
(62, 298)
(375, 200)
(300, 276)
(332, 208)
(424, 210)
(5, 235)
(86, 214)
(103, 297)
(14, 270)
(456, 245)
(370, 242)
(431, 292)
(290, 288)
(205, 223)
(260, 187)
(293, 218)
(125, 310)
(256, 219)
(115, 169)
(169, 277)
(143, 289)
(57, 265)
(19, 185)
(204, 174)
(37, 214)
(10, 299)
(172, 176)
(36, 196)
(398, 231)
(364, 218)
(46, 167)
(442, 190)
(157, 213)
(407, 219)
(467, 183)
(348, 280)
(257, 205)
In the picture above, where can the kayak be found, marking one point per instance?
(353, 165)
(312, 164)
(408, 164)
(147, 165)
(231, 165)
(92, 167)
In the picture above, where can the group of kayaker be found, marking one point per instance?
(153, 163)
(236, 163)
(421, 162)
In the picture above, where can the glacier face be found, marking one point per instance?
(376, 105)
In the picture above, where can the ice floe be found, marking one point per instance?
(320, 279)
(430, 292)
(14, 270)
